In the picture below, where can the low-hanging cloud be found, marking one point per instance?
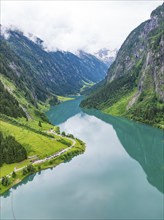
(70, 25)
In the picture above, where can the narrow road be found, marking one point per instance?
(57, 154)
(50, 157)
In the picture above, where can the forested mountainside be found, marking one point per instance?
(134, 86)
(52, 72)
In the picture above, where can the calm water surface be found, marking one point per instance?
(120, 175)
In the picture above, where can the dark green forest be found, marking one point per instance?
(10, 150)
(9, 105)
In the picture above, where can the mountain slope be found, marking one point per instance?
(8, 104)
(21, 74)
(57, 72)
(134, 86)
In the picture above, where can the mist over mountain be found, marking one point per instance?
(106, 55)
(46, 73)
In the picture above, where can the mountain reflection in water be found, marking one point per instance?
(143, 143)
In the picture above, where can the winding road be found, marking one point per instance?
(50, 157)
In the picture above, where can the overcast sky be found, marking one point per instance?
(70, 25)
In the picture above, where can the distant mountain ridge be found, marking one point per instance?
(59, 72)
(106, 55)
(134, 85)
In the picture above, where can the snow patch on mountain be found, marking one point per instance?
(106, 55)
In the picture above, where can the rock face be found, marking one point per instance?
(137, 74)
(145, 43)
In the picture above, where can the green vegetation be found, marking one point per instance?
(14, 174)
(30, 110)
(6, 169)
(119, 108)
(41, 115)
(27, 138)
(34, 142)
(53, 100)
(63, 141)
(37, 146)
(9, 105)
(148, 110)
(24, 141)
(86, 86)
(134, 86)
(63, 99)
(78, 149)
(30, 80)
(27, 91)
(63, 133)
(28, 168)
(114, 98)
(5, 181)
(11, 151)
(41, 75)
(111, 93)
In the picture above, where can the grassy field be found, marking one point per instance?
(64, 99)
(35, 144)
(86, 85)
(35, 124)
(8, 168)
(79, 148)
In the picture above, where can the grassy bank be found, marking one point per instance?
(13, 179)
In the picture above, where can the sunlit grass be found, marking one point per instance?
(119, 108)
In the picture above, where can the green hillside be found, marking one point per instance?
(27, 136)
(45, 73)
(134, 86)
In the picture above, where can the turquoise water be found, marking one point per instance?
(120, 176)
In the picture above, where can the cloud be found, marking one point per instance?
(70, 25)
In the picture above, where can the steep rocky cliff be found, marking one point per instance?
(134, 86)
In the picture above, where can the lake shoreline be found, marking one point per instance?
(122, 165)
(67, 155)
(127, 117)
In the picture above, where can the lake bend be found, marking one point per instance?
(119, 176)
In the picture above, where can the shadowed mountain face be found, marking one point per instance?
(57, 72)
(143, 143)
